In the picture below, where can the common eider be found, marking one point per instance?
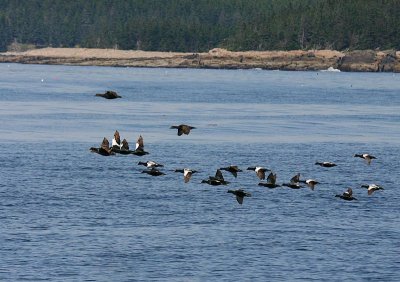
(348, 195)
(260, 171)
(183, 129)
(240, 194)
(325, 164)
(109, 95)
(294, 182)
(367, 157)
(271, 181)
(153, 172)
(150, 164)
(232, 169)
(187, 173)
(104, 149)
(371, 188)
(216, 180)
(310, 183)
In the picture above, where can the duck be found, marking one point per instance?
(294, 182)
(271, 181)
(150, 164)
(310, 183)
(325, 164)
(348, 195)
(260, 171)
(153, 172)
(183, 128)
(367, 157)
(104, 149)
(371, 188)
(139, 149)
(240, 194)
(216, 180)
(187, 173)
(109, 95)
(232, 169)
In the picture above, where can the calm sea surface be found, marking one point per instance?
(67, 214)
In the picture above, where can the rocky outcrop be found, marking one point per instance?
(370, 61)
(365, 60)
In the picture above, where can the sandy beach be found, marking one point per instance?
(365, 60)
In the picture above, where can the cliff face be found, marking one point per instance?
(364, 61)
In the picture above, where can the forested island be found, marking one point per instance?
(198, 26)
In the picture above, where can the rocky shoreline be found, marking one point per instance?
(313, 60)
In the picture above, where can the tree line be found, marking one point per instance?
(200, 25)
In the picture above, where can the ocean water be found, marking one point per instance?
(67, 214)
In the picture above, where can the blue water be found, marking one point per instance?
(70, 215)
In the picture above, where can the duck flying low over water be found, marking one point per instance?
(240, 194)
(139, 149)
(371, 188)
(260, 171)
(271, 181)
(187, 173)
(153, 172)
(292, 185)
(310, 183)
(294, 182)
(232, 169)
(183, 128)
(104, 149)
(348, 195)
(367, 157)
(150, 164)
(216, 180)
(325, 164)
(109, 95)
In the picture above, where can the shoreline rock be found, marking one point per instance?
(297, 60)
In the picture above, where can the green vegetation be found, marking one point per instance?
(200, 25)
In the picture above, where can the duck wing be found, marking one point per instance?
(139, 143)
(125, 145)
(218, 175)
(271, 179)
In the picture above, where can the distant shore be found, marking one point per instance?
(299, 60)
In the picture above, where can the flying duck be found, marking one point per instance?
(372, 188)
(216, 180)
(271, 181)
(367, 157)
(153, 172)
(109, 95)
(240, 194)
(260, 171)
(325, 164)
(310, 183)
(183, 129)
(187, 173)
(104, 149)
(348, 195)
(139, 149)
(150, 164)
(294, 182)
(232, 169)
